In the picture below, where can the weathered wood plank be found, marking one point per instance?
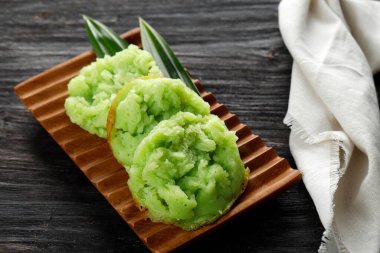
(234, 47)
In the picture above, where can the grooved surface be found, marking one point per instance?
(44, 96)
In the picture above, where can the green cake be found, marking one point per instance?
(187, 171)
(141, 105)
(92, 91)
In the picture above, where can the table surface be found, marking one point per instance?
(233, 47)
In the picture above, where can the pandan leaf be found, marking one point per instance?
(164, 56)
(104, 41)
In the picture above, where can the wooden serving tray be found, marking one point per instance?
(44, 96)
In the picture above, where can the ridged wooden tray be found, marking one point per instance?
(44, 96)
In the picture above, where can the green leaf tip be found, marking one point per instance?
(104, 41)
(164, 56)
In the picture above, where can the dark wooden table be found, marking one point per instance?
(234, 47)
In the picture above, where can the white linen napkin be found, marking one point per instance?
(334, 115)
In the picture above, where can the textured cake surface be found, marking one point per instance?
(141, 105)
(92, 91)
(187, 171)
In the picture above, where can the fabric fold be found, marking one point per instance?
(334, 115)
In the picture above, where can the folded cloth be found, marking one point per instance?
(334, 115)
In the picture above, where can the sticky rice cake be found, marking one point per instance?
(92, 91)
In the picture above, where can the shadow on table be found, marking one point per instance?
(377, 85)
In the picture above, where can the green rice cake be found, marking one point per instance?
(92, 91)
(141, 105)
(187, 171)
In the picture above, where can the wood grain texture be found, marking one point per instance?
(47, 204)
(44, 95)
